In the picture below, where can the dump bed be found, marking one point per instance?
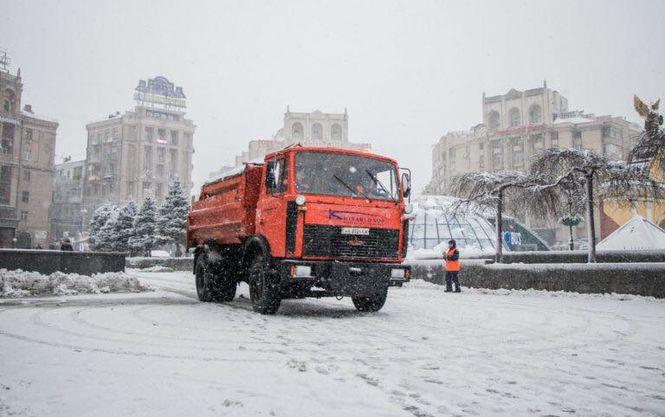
(226, 210)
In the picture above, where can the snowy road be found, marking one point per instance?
(425, 354)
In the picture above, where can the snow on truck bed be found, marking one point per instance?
(478, 353)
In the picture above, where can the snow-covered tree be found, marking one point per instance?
(99, 219)
(106, 235)
(124, 226)
(584, 175)
(172, 217)
(516, 191)
(145, 228)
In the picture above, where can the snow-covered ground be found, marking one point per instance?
(478, 353)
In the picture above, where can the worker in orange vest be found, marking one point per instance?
(452, 267)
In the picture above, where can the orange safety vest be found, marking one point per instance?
(452, 266)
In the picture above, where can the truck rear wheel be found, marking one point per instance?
(371, 303)
(263, 290)
(204, 279)
(225, 289)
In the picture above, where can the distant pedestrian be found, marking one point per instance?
(452, 267)
(66, 245)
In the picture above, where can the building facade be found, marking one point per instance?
(138, 153)
(26, 167)
(518, 125)
(308, 129)
(67, 210)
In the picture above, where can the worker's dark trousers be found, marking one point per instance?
(451, 278)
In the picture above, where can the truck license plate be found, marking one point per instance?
(355, 231)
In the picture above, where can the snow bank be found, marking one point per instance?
(19, 283)
(157, 268)
(421, 284)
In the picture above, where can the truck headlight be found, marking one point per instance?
(408, 208)
(300, 199)
(298, 271)
(398, 273)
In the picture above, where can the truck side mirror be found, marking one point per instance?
(406, 185)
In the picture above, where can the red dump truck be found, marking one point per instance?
(307, 222)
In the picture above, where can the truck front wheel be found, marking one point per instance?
(263, 290)
(204, 279)
(371, 303)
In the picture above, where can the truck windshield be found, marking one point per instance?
(345, 175)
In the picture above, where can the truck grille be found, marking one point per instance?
(329, 241)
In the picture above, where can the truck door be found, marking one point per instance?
(271, 206)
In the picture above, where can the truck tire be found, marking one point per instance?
(371, 303)
(263, 290)
(204, 279)
(224, 289)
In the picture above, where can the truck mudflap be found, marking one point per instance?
(333, 278)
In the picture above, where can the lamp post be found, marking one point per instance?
(571, 221)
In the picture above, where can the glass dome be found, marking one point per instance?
(434, 225)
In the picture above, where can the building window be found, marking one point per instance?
(554, 139)
(5, 184)
(577, 139)
(158, 189)
(8, 139)
(535, 114)
(497, 155)
(336, 133)
(25, 196)
(26, 175)
(452, 155)
(538, 143)
(494, 120)
(27, 152)
(515, 118)
(10, 99)
(174, 159)
(174, 137)
(296, 131)
(481, 155)
(161, 136)
(24, 216)
(317, 131)
(149, 134)
(78, 173)
(612, 132)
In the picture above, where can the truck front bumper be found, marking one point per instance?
(342, 278)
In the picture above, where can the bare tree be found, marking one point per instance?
(618, 181)
(518, 192)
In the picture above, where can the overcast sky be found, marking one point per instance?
(408, 71)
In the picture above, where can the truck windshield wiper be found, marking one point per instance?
(355, 192)
(378, 181)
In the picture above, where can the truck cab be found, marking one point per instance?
(326, 222)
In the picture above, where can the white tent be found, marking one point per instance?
(637, 234)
